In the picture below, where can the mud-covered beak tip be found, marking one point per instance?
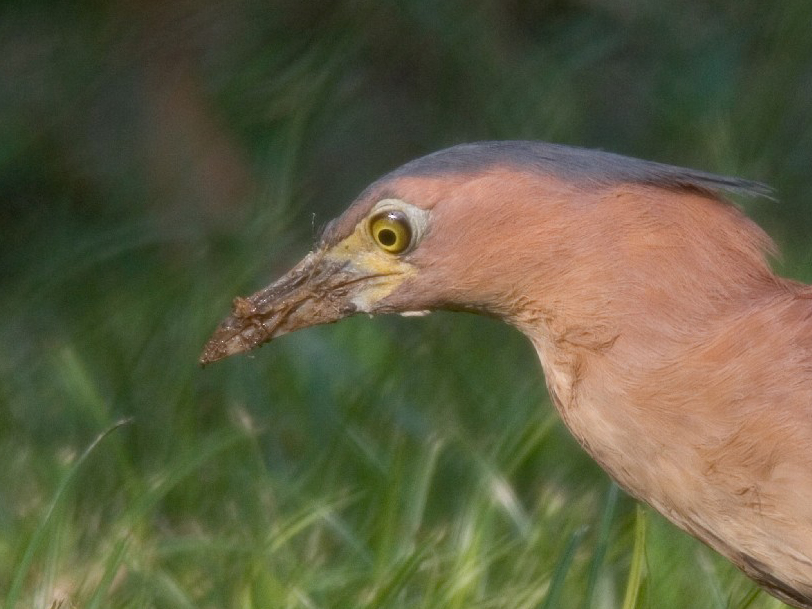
(236, 333)
(316, 291)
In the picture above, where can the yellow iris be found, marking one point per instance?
(391, 231)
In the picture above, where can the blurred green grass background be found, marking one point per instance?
(157, 159)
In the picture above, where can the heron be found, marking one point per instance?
(674, 354)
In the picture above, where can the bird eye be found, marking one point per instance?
(391, 231)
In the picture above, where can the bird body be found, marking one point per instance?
(673, 353)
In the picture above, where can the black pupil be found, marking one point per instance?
(387, 237)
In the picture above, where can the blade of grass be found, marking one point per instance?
(750, 598)
(638, 560)
(163, 589)
(601, 544)
(427, 467)
(114, 561)
(395, 581)
(39, 533)
(561, 570)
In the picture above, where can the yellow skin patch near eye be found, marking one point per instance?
(384, 270)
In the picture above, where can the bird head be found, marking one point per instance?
(407, 245)
(491, 227)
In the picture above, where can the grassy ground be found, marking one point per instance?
(376, 463)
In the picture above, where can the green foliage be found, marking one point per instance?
(154, 163)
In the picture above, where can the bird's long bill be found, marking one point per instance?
(318, 290)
